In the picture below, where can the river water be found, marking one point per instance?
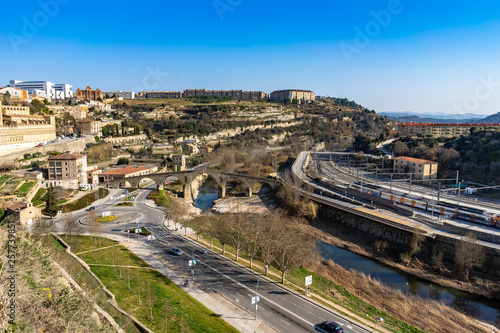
(479, 307)
(205, 198)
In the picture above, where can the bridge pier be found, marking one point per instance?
(221, 191)
(187, 192)
(249, 191)
(160, 187)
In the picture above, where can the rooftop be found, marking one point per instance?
(65, 157)
(17, 206)
(416, 160)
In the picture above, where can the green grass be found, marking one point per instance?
(39, 197)
(185, 314)
(87, 282)
(25, 188)
(129, 198)
(85, 201)
(144, 232)
(108, 218)
(159, 197)
(4, 179)
(124, 204)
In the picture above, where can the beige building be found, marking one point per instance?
(88, 127)
(301, 95)
(236, 94)
(161, 94)
(26, 212)
(68, 167)
(441, 130)
(20, 129)
(421, 169)
(179, 162)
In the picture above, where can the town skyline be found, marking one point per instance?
(388, 56)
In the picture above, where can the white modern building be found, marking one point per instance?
(44, 88)
(66, 89)
(14, 92)
(35, 87)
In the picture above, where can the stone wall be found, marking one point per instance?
(75, 146)
(121, 139)
(401, 238)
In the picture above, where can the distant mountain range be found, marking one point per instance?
(416, 117)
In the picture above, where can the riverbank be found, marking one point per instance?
(356, 242)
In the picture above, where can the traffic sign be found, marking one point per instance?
(255, 299)
(309, 280)
(192, 262)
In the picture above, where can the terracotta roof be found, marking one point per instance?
(17, 206)
(417, 160)
(65, 157)
(124, 171)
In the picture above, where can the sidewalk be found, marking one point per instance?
(232, 314)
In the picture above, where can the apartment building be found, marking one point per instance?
(68, 167)
(441, 130)
(120, 94)
(88, 127)
(179, 162)
(235, 94)
(301, 95)
(421, 169)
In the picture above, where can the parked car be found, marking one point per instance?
(329, 327)
(176, 251)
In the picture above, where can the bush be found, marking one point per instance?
(123, 160)
(27, 155)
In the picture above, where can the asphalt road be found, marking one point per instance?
(279, 308)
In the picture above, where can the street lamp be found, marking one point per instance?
(257, 286)
(378, 321)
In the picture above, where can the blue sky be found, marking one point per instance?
(419, 56)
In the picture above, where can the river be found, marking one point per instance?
(479, 307)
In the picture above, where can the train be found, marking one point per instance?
(458, 212)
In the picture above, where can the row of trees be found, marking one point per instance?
(277, 239)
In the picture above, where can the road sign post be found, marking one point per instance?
(309, 281)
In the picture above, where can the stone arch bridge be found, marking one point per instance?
(187, 177)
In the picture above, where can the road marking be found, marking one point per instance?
(267, 299)
(286, 322)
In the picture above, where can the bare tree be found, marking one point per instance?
(468, 254)
(291, 243)
(237, 227)
(253, 237)
(95, 226)
(71, 225)
(293, 201)
(222, 232)
(269, 240)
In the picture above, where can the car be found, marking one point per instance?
(200, 251)
(91, 208)
(176, 251)
(329, 327)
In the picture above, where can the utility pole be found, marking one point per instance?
(456, 183)
(410, 183)
(459, 187)
(391, 182)
(439, 190)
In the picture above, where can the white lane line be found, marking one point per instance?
(286, 322)
(267, 299)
